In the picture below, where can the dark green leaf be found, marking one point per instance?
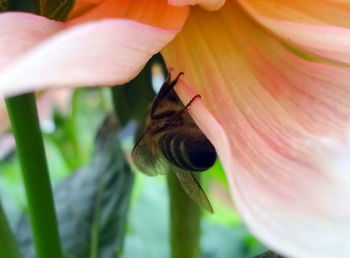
(57, 9)
(268, 254)
(30, 6)
(148, 229)
(92, 203)
(131, 100)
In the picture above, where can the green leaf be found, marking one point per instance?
(53, 9)
(8, 248)
(92, 203)
(148, 228)
(268, 254)
(222, 241)
(131, 100)
(57, 9)
(75, 128)
(30, 6)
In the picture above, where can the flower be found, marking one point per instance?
(274, 84)
(115, 49)
(274, 80)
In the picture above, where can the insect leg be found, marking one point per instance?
(173, 83)
(182, 111)
(193, 99)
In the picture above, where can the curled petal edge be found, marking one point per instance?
(323, 40)
(100, 53)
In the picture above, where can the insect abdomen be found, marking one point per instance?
(189, 152)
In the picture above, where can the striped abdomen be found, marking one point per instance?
(189, 151)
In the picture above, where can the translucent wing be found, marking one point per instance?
(193, 189)
(146, 156)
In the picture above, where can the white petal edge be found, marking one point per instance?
(20, 32)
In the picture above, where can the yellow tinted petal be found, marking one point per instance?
(319, 27)
(265, 108)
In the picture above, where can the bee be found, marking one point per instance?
(173, 139)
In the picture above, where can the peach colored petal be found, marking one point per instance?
(7, 145)
(5, 123)
(265, 109)
(156, 13)
(83, 6)
(321, 27)
(211, 5)
(106, 52)
(21, 32)
(48, 101)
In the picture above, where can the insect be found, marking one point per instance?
(173, 139)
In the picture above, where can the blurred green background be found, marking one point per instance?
(70, 139)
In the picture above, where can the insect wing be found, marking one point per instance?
(146, 157)
(193, 189)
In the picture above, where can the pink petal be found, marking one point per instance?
(5, 123)
(333, 158)
(265, 109)
(211, 5)
(20, 32)
(321, 27)
(106, 52)
(48, 101)
(7, 145)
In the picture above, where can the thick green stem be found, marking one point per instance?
(184, 222)
(8, 248)
(30, 149)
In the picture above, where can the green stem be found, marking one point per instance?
(30, 149)
(184, 222)
(8, 248)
